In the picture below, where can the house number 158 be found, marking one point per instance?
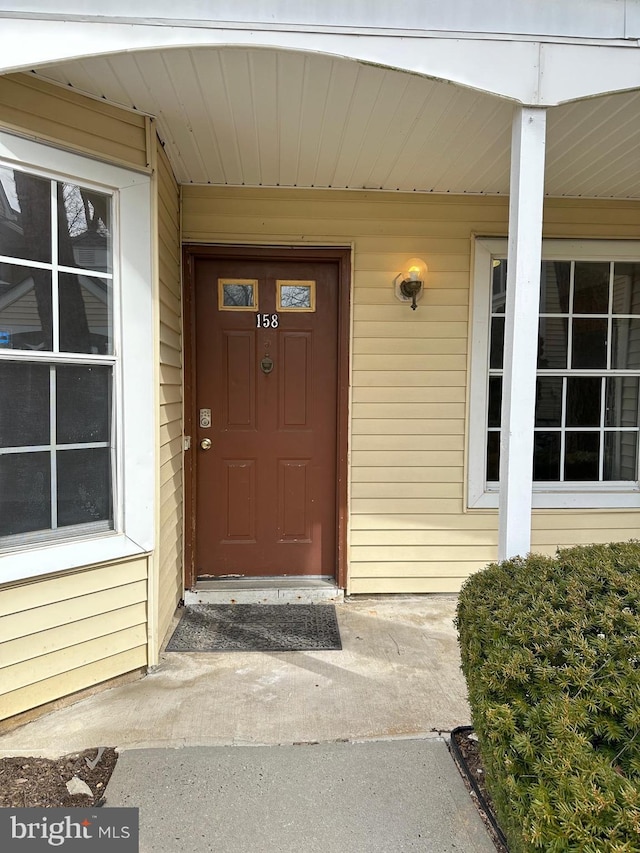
(267, 321)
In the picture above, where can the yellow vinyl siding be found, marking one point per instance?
(64, 633)
(408, 528)
(59, 115)
(170, 545)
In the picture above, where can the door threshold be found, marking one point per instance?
(314, 589)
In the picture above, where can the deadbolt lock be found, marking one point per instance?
(205, 444)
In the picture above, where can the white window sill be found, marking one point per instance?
(601, 498)
(49, 558)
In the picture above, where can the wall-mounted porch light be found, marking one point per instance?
(409, 284)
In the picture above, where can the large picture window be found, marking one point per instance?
(57, 358)
(76, 361)
(587, 424)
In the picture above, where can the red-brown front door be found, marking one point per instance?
(266, 346)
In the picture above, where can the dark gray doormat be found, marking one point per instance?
(256, 628)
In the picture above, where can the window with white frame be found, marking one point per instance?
(76, 364)
(587, 423)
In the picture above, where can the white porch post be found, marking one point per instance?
(521, 331)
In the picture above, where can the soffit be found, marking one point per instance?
(233, 116)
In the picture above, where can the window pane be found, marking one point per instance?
(495, 401)
(496, 349)
(546, 456)
(86, 313)
(626, 288)
(591, 288)
(583, 401)
(297, 295)
(554, 287)
(625, 344)
(24, 404)
(581, 455)
(589, 343)
(84, 228)
(620, 456)
(499, 286)
(25, 493)
(239, 296)
(84, 486)
(552, 343)
(26, 319)
(621, 407)
(493, 457)
(548, 401)
(25, 216)
(83, 404)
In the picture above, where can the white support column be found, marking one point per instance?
(521, 331)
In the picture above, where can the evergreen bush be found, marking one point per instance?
(551, 655)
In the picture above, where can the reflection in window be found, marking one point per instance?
(85, 314)
(25, 216)
(241, 294)
(296, 295)
(84, 228)
(26, 317)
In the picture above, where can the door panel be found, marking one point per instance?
(266, 489)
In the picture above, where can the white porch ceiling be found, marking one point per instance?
(276, 118)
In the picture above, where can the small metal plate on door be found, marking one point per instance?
(205, 418)
(266, 364)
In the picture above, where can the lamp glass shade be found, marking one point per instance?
(415, 269)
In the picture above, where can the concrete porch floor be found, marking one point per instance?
(397, 675)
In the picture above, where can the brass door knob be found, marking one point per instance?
(205, 444)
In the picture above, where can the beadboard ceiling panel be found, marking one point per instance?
(276, 118)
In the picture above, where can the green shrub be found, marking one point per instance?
(551, 654)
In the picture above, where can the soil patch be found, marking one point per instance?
(27, 782)
(467, 743)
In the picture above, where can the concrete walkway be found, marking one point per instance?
(398, 674)
(376, 797)
(290, 751)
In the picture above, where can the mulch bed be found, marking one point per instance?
(467, 744)
(42, 782)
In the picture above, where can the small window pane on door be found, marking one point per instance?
(296, 295)
(237, 294)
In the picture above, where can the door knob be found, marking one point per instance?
(205, 444)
